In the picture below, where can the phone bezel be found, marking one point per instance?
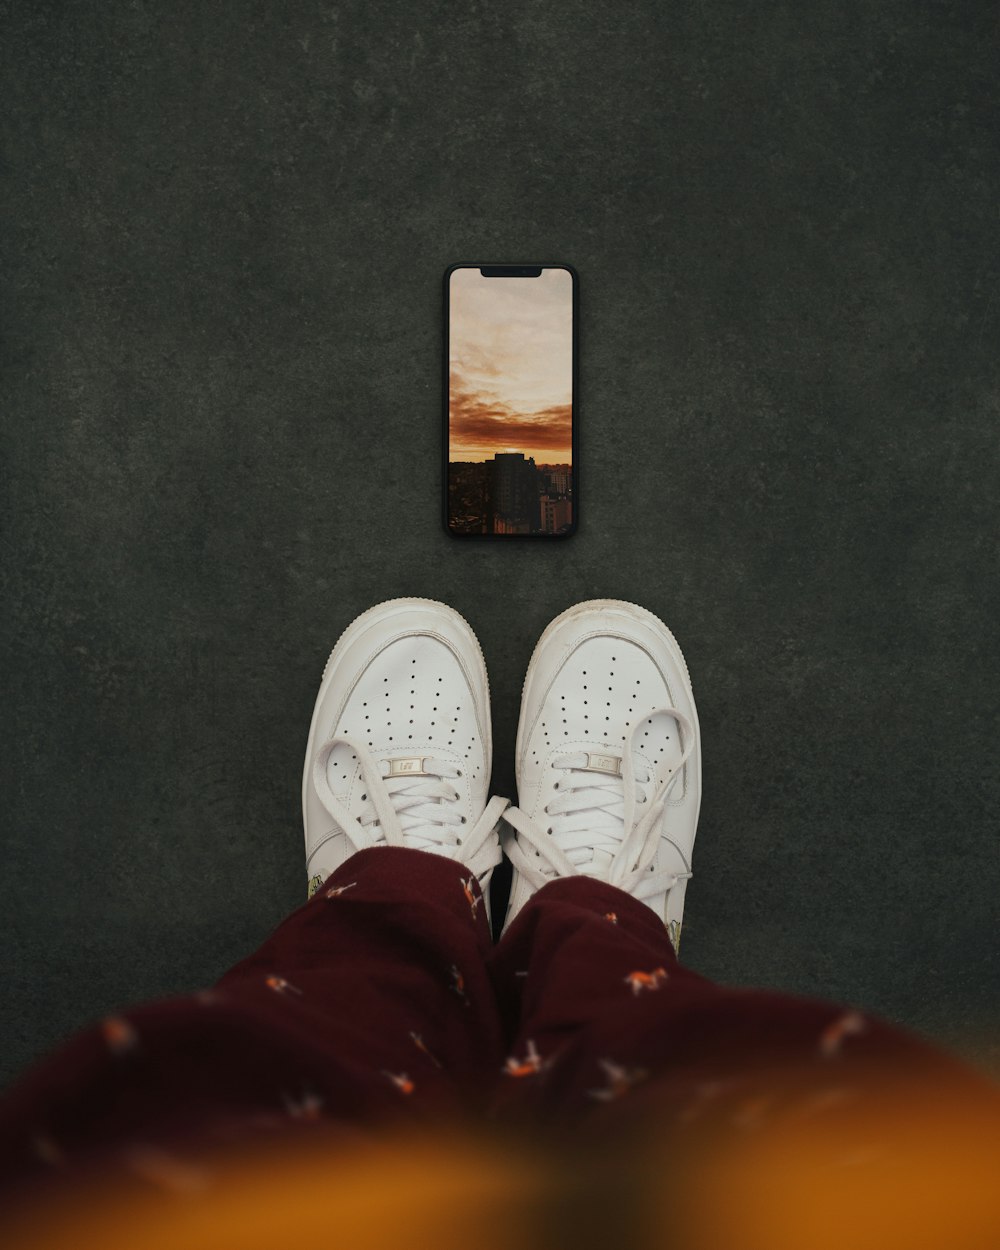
(575, 404)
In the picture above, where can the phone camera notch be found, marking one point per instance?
(510, 271)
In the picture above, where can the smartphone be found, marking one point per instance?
(511, 427)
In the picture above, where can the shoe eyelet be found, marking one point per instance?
(549, 830)
(464, 821)
(363, 797)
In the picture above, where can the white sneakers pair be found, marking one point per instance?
(608, 755)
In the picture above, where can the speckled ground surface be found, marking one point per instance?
(225, 230)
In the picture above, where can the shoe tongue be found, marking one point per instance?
(404, 763)
(597, 866)
(610, 764)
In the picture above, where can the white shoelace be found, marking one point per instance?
(596, 812)
(419, 811)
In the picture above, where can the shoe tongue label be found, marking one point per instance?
(604, 764)
(410, 767)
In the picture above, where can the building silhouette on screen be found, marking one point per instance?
(513, 494)
(509, 494)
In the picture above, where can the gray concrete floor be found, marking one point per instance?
(225, 230)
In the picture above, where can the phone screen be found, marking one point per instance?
(510, 403)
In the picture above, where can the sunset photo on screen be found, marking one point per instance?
(510, 403)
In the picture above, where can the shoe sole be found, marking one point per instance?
(357, 626)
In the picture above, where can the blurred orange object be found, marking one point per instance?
(812, 1174)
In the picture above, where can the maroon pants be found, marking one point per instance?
(384, 998)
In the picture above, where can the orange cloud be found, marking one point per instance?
(481, 425)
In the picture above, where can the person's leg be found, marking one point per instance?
(608, 765)
(370, 1002)
(614, 1030)
(720, 1116)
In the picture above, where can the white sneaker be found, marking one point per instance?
(400, 746)
(608, 760)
